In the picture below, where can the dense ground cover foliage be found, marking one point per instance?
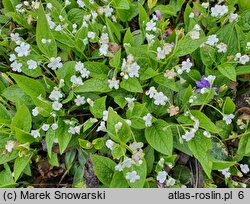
(124, 93)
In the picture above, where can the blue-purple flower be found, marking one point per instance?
(204, 84)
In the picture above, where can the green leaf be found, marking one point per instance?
(23, 136)
(22, 119)
(225, 130)
(69, 158)
(205, 122)
(9, 5)
(160, 79)
(6, 178)
(128, 38)
(104, 168)
(63, 136)
(116, 60)
(187, 45)
(143, 17)
(152, 3)
(150, 158)
(118, 181)
(20, 164)
(160, 137)
(132, 85)
(227, 70)
(53, 160)
(228, 106)
(114, 32)
(15, 94)
(98, 107)
(147, 74)
(65, 73)
(240, 70)
(31, 87)
(208, 55)
(43, 32)
(182, 173)
(244, 145)
(93, 85)
(5, 116)
(49, 138)
(8, 156)
(141, 171)
(124, 134)
(199, 145)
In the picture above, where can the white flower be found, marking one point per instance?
(35, 111)
(205, 5)
(104, 39)
(167, 48)
(49, 6)
(35, 4)
(118, 167)
(225, 172)
(244, 168)
(248, 45)
(150, 37)
(113, 83)
(148, 120)
(197, 27)
(79, 66)
(72, 130)
(35, 133)
(228, 118)
(103, 50)
(160, 99)
(127, 163)
(133, 70)
(135, 146)
(23, 49)
(132, 176)
(210, 78)
(32, 64)
(150, 26)
(204, 90)
(130, 102)
(90, 102)
(91, 35)
(55, 63)
(56, 105)
(15, 38)
(192, 99)
(170, 182)
(80, 100)
(207, 134)
(161, 176)
(128, 122)
(16, 67)
(222, 47)
(212, 40)
(45, 127)
(108, 11)
(105, 115)
(218, 10)
(80, 3)
(85, 73)
(55, 95)
(191, 15)
(67, 2)
(54, 126)
(244, 59)
(12, 57)
(10, 145)
(76, 81)
(110, 144)
(233, 17)
(101, 127)
(160, 53)
(194, 35)
(189, 135)
(186, 65)
(151, 92)
(118, 126)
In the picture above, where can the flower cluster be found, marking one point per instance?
(159, 97)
